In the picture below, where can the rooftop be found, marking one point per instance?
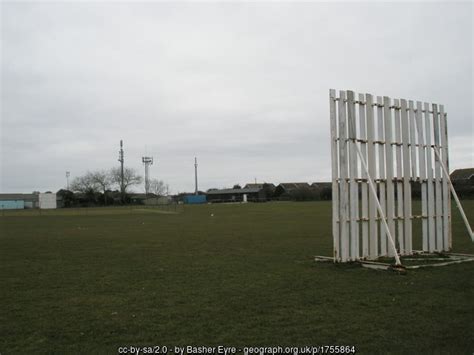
(462, 174)
(234, 191)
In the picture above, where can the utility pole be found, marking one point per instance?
(147, 161)
(67, 179)
(195, 176)
(120, 159)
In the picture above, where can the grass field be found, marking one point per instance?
(89, 281)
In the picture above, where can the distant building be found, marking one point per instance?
(302, 191)
(140, 198)
(286, 190)
(161, 200)
(194, 199)
(288, 186)
(268, 188)
(463, 182)
(322, 190)
(260, 185)
(22, 201)
(462, 175)
(251, 194)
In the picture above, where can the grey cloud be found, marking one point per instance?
(244, 86)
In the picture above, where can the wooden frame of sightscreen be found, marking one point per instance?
(380, 148)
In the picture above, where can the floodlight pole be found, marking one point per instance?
(147, 161)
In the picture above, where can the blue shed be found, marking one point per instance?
(10, 201)
(194, 199)
(12, 204)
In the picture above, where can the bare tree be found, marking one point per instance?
(158, 187)
(130, 177)
(84, 184)
(103, 179)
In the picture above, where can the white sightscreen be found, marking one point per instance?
(396, 139)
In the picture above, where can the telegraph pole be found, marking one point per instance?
(67, 179)
(195, 176)
(120, 159)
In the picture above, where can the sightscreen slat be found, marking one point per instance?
(353, 175)
(400, 212)
(381, 154)
(430, 182)
(335, 185)
(406, 177)
(413, 160)
(343, 168)
(422, 161)
(389, 168)
(373, 232)
(438, 177)
(444, 184)
(444, 142)
(364, 188)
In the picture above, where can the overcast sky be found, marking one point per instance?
(242, 86)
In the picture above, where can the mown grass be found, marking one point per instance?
(88, 282)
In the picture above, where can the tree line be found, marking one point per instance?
(104, 187)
